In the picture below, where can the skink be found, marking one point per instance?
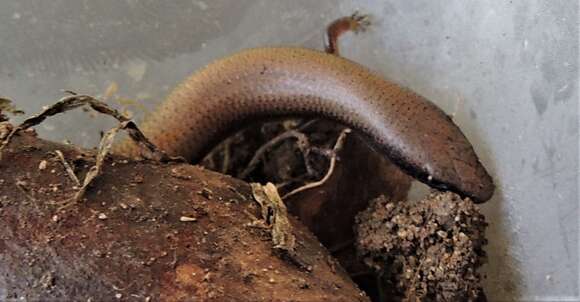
(285, 81)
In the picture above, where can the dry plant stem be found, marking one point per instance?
(105, 146)
(302, 140)
(68, 168)
(300, 178)
(335, 150)
(226, 161)
(5, 128)
(303, 145)
(77, 100)
(74, 101)
(94, 171)
(65, 104)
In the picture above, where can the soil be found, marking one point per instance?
(425, 251)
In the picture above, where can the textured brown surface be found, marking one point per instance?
(427, 251)
(359, 175)
(268, 82)
(127, 240)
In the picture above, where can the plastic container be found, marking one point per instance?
(506, 70)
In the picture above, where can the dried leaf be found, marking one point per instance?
(275, 214)
(282, 235)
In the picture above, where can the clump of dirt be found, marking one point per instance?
(425, 251)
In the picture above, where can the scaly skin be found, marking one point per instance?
(271, 82)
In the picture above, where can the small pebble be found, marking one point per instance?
(187, 219)
(42, 165)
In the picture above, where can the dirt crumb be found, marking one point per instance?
(428, 250)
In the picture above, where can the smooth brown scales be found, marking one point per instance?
(272, 82)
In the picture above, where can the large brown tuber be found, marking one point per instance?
(145, 231)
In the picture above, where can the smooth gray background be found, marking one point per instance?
(507, 70)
